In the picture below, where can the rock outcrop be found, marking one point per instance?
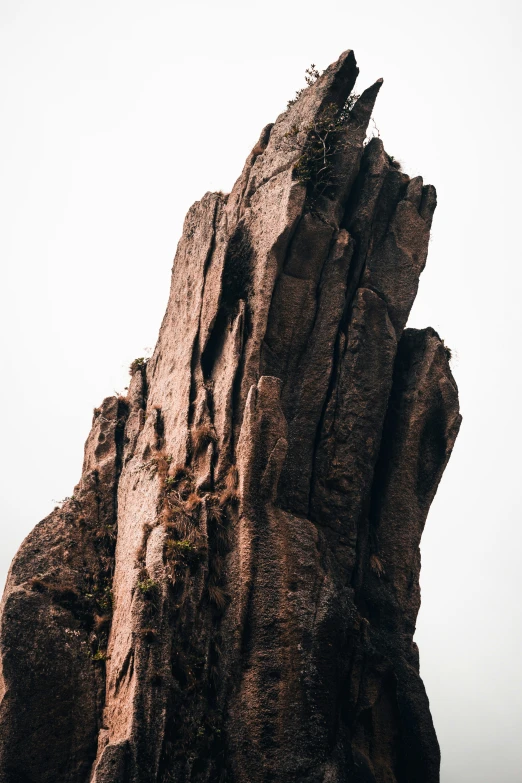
(231, 592)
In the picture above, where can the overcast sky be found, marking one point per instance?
(116, 116)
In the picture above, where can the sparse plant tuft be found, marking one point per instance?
(324, 139)
(201, 436)
(215, 513)
(101, 622)
(232, 478)
(181, 550)
(321, 141)
(138, 364)
(182, 547)
(229, 497)
(311, 76)
(192, 502)
(217, 596)
(147, 586)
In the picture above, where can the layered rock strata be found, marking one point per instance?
(231, 592)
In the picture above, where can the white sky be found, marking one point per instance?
(116, 116)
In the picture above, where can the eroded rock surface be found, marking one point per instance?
(231, 593)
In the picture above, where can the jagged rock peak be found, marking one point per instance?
(231, 593)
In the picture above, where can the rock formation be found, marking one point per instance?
(230, 595)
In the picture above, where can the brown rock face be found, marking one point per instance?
(231, 593)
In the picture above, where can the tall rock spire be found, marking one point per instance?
(231, 593)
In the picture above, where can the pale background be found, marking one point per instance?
(116, 116)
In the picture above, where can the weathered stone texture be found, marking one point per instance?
(231, 593)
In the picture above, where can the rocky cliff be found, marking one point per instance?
(231, 592)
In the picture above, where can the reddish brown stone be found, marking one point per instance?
(231, 594)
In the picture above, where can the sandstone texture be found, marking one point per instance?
(230, 595)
